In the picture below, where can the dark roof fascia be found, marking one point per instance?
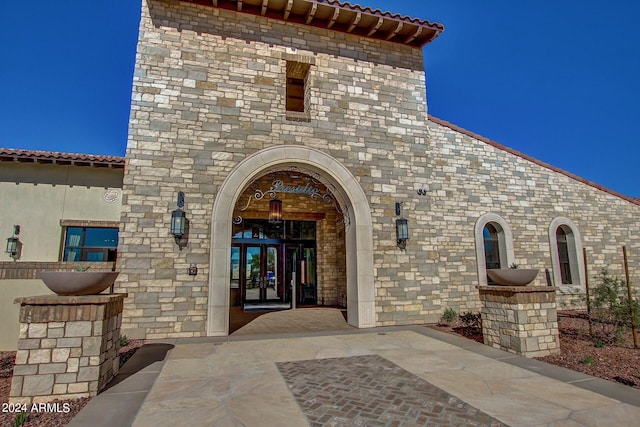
(499, 146)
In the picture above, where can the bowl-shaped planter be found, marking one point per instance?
(512, 276)
(78, 282)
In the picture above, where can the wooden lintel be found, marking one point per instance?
(376, 27)
(396, 31)
(336, 12)
(264, 7)
(287, 10)
(311, 13)
(355, 22)
(413, 36)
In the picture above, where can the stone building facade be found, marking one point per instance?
(212, 116)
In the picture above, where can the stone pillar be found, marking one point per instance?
(67, 347)
(520, 319)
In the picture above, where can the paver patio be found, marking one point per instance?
(252, 380)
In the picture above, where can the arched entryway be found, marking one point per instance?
(358, 230)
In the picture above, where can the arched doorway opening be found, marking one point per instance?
(357, 228)
(287, 246)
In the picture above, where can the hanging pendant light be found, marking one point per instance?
(275, 211)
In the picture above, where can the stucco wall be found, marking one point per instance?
(209, 90)
(37, 196)
(9, 312)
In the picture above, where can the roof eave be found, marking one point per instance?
(338, 16)
(57, 158)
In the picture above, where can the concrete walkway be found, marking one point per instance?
(401, 376)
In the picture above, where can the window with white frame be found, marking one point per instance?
(494, 245)
(566, 253)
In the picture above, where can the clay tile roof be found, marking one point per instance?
(339, 16)
(35, 156)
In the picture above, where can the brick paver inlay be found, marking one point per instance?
(372, 391)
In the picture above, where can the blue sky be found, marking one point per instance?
(557, 80)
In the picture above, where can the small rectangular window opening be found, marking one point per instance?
(297, 96)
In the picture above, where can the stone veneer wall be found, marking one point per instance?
(67, 348)
(209, 90)
(471, 177)
(521, 320)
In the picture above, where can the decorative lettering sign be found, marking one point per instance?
(279, 186)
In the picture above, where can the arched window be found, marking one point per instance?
(494, 245)
(563, 256)
(491, 246)
(566, 253)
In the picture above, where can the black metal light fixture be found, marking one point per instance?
(178, 220)
(14, 245)
(402, 228)
(402, 232)
(275, 211)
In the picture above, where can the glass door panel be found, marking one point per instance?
(253, 273)
(291, 276)
(272, 274)
(309, 293)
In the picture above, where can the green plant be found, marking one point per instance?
(123, 340)
(82, 268)
(471, 320)
(610, 308)
(20, 419)
(514, 266)
(449, 316)
(588, 360)
(598, 343)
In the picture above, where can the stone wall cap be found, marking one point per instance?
(70, 300)
(516, 289)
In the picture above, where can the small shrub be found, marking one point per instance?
(449, 316)
(610, 308)
(123, 340)
(588, 360)
(471, 320)
(598, 343)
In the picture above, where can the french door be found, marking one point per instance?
(273, 274)
(261, 278)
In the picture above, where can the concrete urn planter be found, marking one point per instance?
(512, 276)
(78, 282)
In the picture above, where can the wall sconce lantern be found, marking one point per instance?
(402, 231)
(275, 211)
(14, 245)
(402, 228)
(179, 221)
